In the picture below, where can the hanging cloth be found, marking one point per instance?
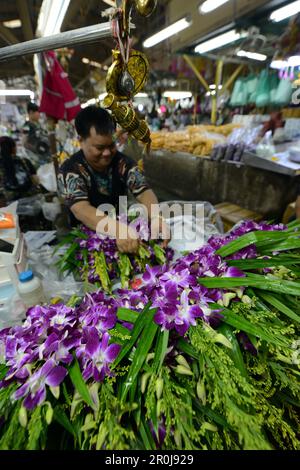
(58, 98)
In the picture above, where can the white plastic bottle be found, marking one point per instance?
(30, 289)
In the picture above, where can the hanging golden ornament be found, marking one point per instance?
(128, 119)
(138, 70)
(144, 7)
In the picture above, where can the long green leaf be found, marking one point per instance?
(160, 350)
(275, 302)
(60, 416)
(187, 348)
(242, 324)
(235, 353)
(140, 356)
(258, 281)
(251, 238)
(248, 264)
(125, 314)
(79, 383)
(146, 436)
(140, 323)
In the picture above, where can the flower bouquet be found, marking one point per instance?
(95, 258)
(204, 355)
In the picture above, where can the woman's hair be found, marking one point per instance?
(92, 116)
(7, 149)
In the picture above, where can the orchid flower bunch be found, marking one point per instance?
(96, 259)
(201, 355)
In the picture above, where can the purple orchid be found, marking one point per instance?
(34, 389)
(96, 355)
(186, 314)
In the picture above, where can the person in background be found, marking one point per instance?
(35, 139)
(18, 175)
(100, 174)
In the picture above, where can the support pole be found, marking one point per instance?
(232, 78)
(196, 72)
(214, 110)
(66, 39)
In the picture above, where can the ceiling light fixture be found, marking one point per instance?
(167, 32)
(252, 55)
(12, 24)
(278, 64)
(51, 17)
(294, 61)
(141, 95)
(85, 60)
(210, 5)
(220, 41)
(285, 12)
(17, 93)
(177, 95)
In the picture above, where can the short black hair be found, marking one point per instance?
(96, 117)
(32, 107)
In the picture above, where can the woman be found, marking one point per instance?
(18, 175)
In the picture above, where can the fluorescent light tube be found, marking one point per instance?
(278, 64)
(12, 24)
(211, 5)
(285, 12)
(51, 17)
(294, 61)
(141, 95)
(219, 41)
(167, 32)
(252, 55)
(177, 95)
(17, 93)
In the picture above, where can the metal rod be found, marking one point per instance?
(196, 72)
(68, 38)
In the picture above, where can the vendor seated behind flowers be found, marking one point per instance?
(99, 174)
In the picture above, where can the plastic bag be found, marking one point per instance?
(30, 206)
(239, 94)
(283, 93)
(51, 209)
(266, 148)
(191, 224)
(47, 177)
(263, 90)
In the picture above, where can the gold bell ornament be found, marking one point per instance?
(129, 71)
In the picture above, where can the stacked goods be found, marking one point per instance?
(204, 355)
(197, 140)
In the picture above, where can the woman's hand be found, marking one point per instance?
(127, 239)
(160, 230)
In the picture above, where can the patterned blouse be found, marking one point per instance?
(77, 181)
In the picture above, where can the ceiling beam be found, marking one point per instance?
(7, 35)
(26, 20)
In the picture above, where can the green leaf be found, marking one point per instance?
(275, 302)
(140, 355)
(79, 383)
(248, 264)
(127, 315)
(146, 436)
(255, 280)
(185, 347)
(250, 239)
(160, 350)
(235, 353)
(140, 323)
(242, 324)
(60, 416)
